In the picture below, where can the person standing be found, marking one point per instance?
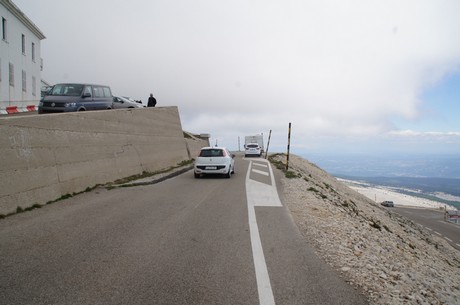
(152, 101)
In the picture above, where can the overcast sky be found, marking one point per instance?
(366, 76)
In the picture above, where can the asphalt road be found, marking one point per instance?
(182, 241)
(433, 221)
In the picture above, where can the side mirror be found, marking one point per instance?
(233, 156)
(86, 94)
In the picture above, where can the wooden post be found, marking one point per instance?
(288, 146)
(268, 143)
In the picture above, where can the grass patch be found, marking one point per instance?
(291, 174)
(282, 167)
(185, 162)
(146, 174)
(376, 225)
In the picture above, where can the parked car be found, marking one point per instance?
(252, 149)
(76, 97)
(122, 102)
(214, 160)
(134, 101)
(388, 203)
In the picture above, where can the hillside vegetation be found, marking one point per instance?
(394, 260)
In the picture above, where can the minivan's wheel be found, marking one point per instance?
(196, 175)
(229, 174)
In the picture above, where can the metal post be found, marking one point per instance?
(268, 144)
(288, 146)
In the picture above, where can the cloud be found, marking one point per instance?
(425, 134)
(335, 69)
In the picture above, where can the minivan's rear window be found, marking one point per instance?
(67, 90)
(252, 146)
(211, 153)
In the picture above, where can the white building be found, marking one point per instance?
(20, 61)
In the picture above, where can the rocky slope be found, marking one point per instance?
(394, 260)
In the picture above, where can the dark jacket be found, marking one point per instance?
(152, 102)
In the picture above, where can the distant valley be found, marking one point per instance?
(435, 177)
(360, 165)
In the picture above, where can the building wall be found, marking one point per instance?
(11, 52)
(43, 157)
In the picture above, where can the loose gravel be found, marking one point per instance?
(393, 260)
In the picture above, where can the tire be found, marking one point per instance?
(196, 175)
(229, 174)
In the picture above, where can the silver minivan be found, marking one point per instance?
(76, 97)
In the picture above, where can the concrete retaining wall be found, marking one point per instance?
(43, 157)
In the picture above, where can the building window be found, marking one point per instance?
(24, 83)
(11, 75)
(23, 44)
(4, 36)
(34, 86)
(33, 52)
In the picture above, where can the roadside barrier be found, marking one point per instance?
(31, 108)
(453, 216)
(12, 109)
(16, 109)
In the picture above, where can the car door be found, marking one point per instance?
(118, 103)
(102, 98)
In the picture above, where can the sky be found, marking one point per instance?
(356, 77)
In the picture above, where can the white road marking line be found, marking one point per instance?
(260, 194)
(458, 245)
(437, 233)
(260, 164)
(428, 229)
(260, 172)
(448, 239)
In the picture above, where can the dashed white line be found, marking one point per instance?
(428, 229)
(448, 239)
(437, 233)
(260, 172)
(260, 164)
(458, 245)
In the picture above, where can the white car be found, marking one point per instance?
(214, 160)
(252, 149)
(120, 102)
